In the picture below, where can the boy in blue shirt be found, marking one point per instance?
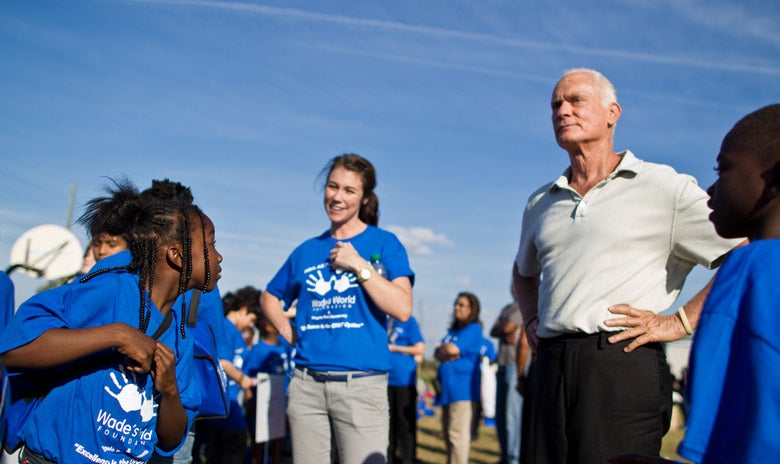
(734, 386)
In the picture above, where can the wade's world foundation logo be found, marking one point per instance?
(330, 303)
(130, 398)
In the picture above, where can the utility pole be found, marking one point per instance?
(69, 218)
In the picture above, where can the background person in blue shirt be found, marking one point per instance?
(407, 347)
(459, 375)
(339, 389)
(227, 438)
(270, 355)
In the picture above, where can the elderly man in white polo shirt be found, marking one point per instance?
(603, 250)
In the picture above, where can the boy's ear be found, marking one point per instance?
(772, 178)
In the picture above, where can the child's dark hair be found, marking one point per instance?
(148, 219)
(758, 132)
(369, 212)
(109, 214)
(166, 190)
(246, 296)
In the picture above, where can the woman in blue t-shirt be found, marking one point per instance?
(459, 375)
(339, 390)
(114, 373)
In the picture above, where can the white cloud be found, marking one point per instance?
(418, 240)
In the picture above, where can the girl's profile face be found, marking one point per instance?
(343, 195)
(462, 309)
(198, 257)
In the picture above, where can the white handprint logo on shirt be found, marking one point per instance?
(318, 284)
(344, 282)
(131, 397)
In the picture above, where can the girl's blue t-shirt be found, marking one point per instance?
(338, 327)
(104, 411)
(236, 419)
(6, 299)
(460, 378)
(211, 321)
(403, 367)
(733, 381)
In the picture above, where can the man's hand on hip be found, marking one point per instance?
(644, 327)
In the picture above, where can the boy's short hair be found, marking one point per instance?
(759, 133)
(248, 297)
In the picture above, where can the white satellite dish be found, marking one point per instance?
(47, 251)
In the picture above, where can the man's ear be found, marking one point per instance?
(614, 113)
(173, 256)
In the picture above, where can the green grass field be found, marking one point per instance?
(431, 450)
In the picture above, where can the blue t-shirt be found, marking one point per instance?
(211, 321)
(338, 327)
(209, 335)
(105, 410)
(6, 299)
(269, 359)
(236, 419)
(488, 350)
(460, 378)
(403, 367)
(6, 313)
(734, 386)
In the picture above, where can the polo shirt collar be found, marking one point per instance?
(628, 164)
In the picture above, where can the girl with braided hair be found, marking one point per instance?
(114, 378)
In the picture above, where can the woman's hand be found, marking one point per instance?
(393, 297)
(344, 256)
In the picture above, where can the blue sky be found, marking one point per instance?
(245, 101)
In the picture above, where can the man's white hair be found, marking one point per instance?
(603, 85)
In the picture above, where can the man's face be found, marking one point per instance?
(578, 115)
(737, 196)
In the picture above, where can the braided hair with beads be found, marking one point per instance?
(148, 219)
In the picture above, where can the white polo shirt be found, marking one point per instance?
(632, 239)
